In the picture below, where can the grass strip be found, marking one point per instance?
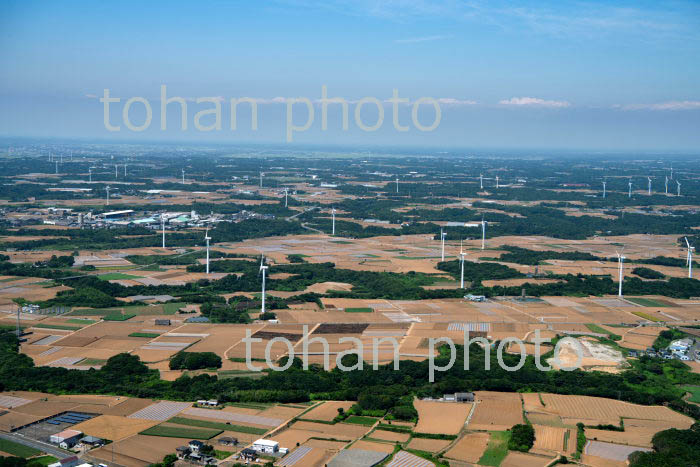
(17, 449)
(217, 425)
(496, 450)
(180, 432)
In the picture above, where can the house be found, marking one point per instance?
(182, 451)
(464, 397)
(227, 441)
(195, 445)
(266, 445)
(197, 319)
(680, 345)
(249, 454)
(162, 322)
(475, 298)
(71, 461)
(92, 441)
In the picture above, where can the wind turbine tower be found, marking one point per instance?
(263, 269)
(483, 233)
(620, 259)
(56, 166)
(604, 192)
(629, 193)
(678, 193)
(666, 184)
(183, 176)
(162, 225)
(481, 181)
(124, 170)
(206, 239)
(497, 181)
(116, 173)
(90, 174)
(333, 220)
(286, 193)
(461, 259)
(649, 186)
(107, 188)
(397, 185)
(691, 249)
(261, 176)
(443, 234)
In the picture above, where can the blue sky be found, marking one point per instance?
(543, 74)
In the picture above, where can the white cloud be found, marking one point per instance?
(670, 105)
(453, 101)
(534, 102)
(413, 40)
(91, 96)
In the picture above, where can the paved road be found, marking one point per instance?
(32, 443)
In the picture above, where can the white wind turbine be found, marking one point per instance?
(678, 193)
(162, 225)
(90, 174)
(649, 186)
(604, 192)
(107, 194)
(666, 184)
(56, 166)
(183, 176)
(691, 249)
(497, 181)
(263, 270)
(397, 185)
(620, 260)
(483, 233)
(333, 220)
(261, 176)
(206, 239)
(286, 193)
(481, 181)
(443, 234)
(462, 254)
(629, 193)
(124, 170)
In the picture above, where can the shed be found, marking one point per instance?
(227, 441)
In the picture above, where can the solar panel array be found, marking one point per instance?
(471, 327)
(71, 418)
(294, 457)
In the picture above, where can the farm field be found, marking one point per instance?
(496, 411)
(327, 411)
(440, 417)
(469, 448)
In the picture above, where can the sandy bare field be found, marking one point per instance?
(469, 448)
(496, 411)
(327, 411)
(114, 427)
(430, 445)
(441, 417)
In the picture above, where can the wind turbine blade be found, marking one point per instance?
(686, 241)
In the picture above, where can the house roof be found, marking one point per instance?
(266, 442)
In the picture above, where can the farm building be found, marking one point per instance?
(249, 454)
(66, 439)
(266, 445)
(227, 441)
(92, 441)
(680, 345)
(197, 319)
(195, 445)
(162, 322)
(71, 461)
(460, 397)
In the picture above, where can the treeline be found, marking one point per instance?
(381, 389)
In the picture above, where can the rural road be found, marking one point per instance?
(40, 445)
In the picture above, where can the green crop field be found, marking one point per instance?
(180, 432)
(113, 276)
(80, 321)
(360, 420)
(359, 310)
(119, 316)
(648, 302)
(694, 393)
(16, 449)
(56, 326)
(217, 425)
(149, 335)
(497, 449)
(641, 314)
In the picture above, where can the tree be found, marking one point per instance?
(522, 438)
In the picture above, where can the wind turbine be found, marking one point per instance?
(620, 259)
(678, 193)
(261, 176)
(183, 176)
(333, 216)
(666, 184)
(56, 166)
(483, 233)
(649, 186)
(397, 185)
(690, 258)
(90, 174)
(206, 239)
(124, 170)
(629, 193)
(604, 183)
(286, 192)
(481, 181)
(443, 234)
(116, 173)
(107, 195)
(263, 269)
(497, 181)
(162, 224)
(461, 259)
